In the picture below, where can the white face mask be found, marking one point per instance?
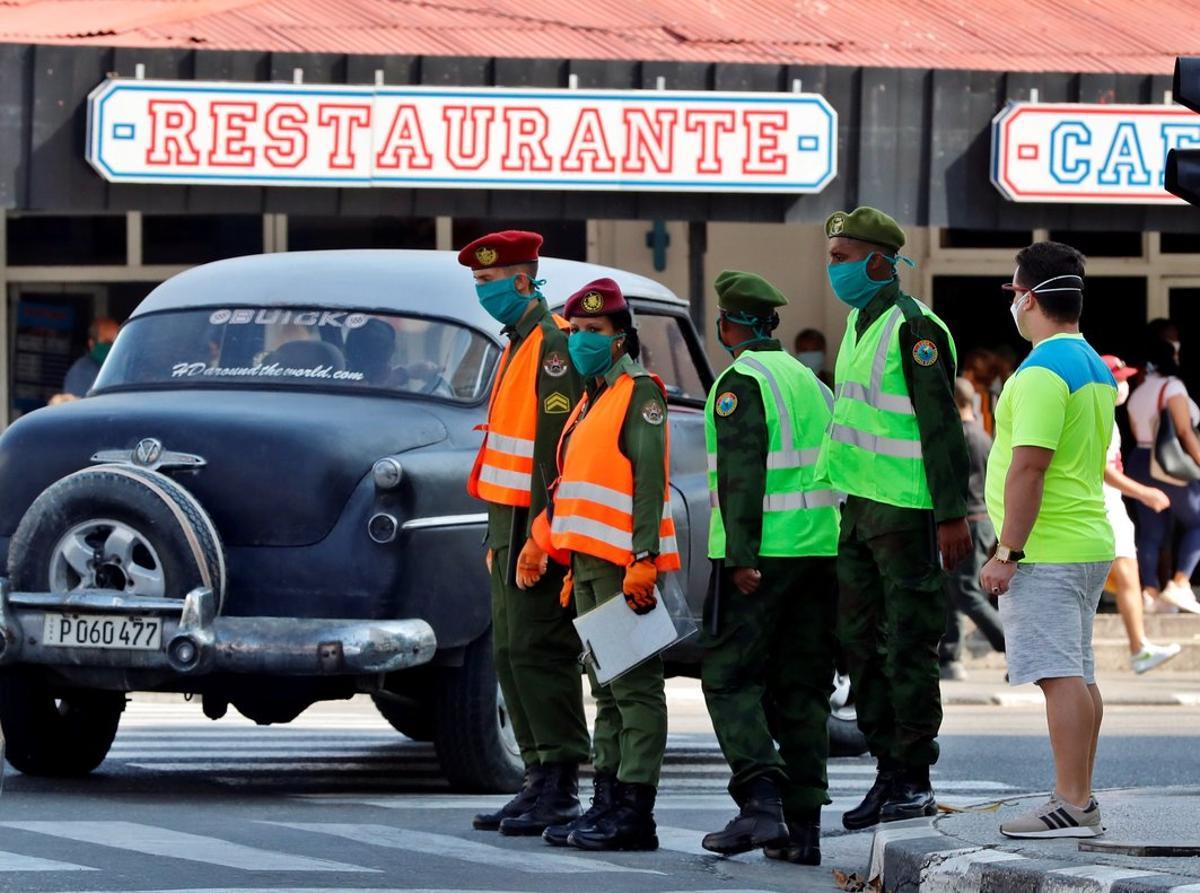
(1015, 309)
(1122, 392)
(1019, 305)
(813, 359)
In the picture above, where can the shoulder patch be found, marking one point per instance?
(555, 364)
(925, 353)
(652, 412)
(557, 404)
(726, 404)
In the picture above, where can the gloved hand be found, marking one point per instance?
(568, 587)
(638, 587)
(531, 564)
(487, 559)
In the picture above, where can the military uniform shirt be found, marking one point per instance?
(644, 443)
(943, 444)
(558, 390)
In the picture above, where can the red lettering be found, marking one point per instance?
(588, 148)
(284, 124)
(467, 146)
(172, 123)
(764, 131)
(646, 140)
(710, 124)
(344, 119)
(405, 143)
(525, 148)
(229, 120)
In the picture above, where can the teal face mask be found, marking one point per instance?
(502, 301)
(591, 352)
(852, 284)
(99, 353)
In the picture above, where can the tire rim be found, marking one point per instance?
(106, 554)
(508, 738)
(842, 700)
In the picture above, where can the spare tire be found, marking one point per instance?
(121, 528)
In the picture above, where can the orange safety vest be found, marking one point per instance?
(593, 501)
(503, 471)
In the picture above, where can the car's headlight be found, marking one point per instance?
(387, 473)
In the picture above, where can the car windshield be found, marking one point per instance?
(301, 347)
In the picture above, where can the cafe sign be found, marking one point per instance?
(1104, 154)
(143, 131)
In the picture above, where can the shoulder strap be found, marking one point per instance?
(1162, 394)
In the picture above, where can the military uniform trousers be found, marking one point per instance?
(536, 652)
(630, 737)
(891, 616)
(774, 651)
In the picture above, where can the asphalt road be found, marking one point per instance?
(338, 801)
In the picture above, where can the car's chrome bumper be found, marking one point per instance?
(197, 641)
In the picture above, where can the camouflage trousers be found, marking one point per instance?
(630, 738)
(772, 658)
(891, 616)
(536, 652)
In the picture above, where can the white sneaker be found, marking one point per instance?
(1155, 605)
(1056, 818)
(1181, 596)
(1152, 656)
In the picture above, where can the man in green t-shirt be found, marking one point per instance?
(1045, 496)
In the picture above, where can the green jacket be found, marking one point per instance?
(557, 379)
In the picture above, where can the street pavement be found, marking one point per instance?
(339, 801)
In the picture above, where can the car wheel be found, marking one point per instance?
(120, 528)
(55, 734)
(410, 719)
(472, 731)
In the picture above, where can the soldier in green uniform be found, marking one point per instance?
(896, 447)
(773, 537)
(535, 647)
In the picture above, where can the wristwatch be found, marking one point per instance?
(1005, 555)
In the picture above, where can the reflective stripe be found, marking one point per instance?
(712, 462)
(785, 418)
(881, 354)
(872, 443)
(889, 402)
(513, 446)
(606, 496)
(597, 530)
(793, 458)
(788, 502)
(502, 477)
(667, 545)
(713, 499)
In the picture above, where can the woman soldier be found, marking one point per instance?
(611, 520)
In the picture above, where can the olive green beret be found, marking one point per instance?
(866, 225)
(747, 293)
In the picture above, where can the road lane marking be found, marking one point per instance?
(450, 847)
(155, 841)
(17, 862)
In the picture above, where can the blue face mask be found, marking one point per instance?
(852, 284)
(591, 352)
(502, 301)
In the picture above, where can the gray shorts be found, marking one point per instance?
(1047, 614)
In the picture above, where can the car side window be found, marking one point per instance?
(666, 353)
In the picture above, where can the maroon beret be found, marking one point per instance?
(599, 297)
(503, 249)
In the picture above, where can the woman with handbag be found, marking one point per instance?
(1159, 408)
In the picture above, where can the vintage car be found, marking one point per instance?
(262, 503)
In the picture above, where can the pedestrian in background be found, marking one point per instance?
(1164, 389)
(1045, 494)
(964, 595)
(611, 519)
(896, 447)
(811, 350)
(82, 374)
(773, 537)
(1143, 654)
(534, 644)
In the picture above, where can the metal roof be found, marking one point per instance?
(993, 35)
(420, 282)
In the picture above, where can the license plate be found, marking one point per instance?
(103, 631)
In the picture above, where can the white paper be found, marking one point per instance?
(615, 639)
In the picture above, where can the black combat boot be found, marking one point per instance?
(866, 813)
(758, 824)
(604, 791)
(911, 797)
(526, 797)
(557, 803)
(804, 840)
(629, 825)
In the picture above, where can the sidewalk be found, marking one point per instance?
(965, 851)
(1119, 687)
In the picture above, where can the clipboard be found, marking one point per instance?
(615, 639)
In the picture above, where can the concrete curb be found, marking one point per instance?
(917, 856)
(1014, 698)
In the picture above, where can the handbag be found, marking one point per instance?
(1169, 461)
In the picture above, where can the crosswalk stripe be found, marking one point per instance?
(155, 841)
(18, 862)
(290, 766)
(451, 847)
